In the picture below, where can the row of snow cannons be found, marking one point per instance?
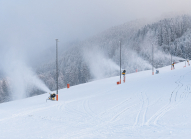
(53, 96)
(123, 73)
(157, 71)
(172, 66)
(187, 63)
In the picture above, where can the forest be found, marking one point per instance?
(98, 57)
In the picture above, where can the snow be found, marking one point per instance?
(145, 106)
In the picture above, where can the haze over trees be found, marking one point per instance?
(98, 56)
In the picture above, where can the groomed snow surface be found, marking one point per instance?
(144, 107)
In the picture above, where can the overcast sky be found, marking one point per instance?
(28, 26)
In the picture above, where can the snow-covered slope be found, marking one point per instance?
(145, 106)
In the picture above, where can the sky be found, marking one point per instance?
(29, 28)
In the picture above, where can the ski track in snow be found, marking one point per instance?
(87, 108)
(141, 115)
(120, 113)
(125, 113)
(171, 105)
(27, 112)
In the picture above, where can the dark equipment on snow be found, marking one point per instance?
(173, 65)
(157, 71)
(52, 97)
(188, 62)
(123, 73)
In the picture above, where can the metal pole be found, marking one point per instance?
(172, 43)
(171, 55)
(152, 60)
(120, 60)
(185, 59)
(185, 63)
(57, 69)
(170, 47)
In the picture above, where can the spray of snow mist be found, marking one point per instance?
(23, 78)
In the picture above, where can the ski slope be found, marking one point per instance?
(145, 107)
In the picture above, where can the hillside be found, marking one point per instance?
(145, 106)
(98, 56)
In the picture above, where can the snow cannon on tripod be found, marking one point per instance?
(157, 71)
(51, 97)
(123, 73)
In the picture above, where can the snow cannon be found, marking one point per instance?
(157, 71)
(52, 97)
(123, 73)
